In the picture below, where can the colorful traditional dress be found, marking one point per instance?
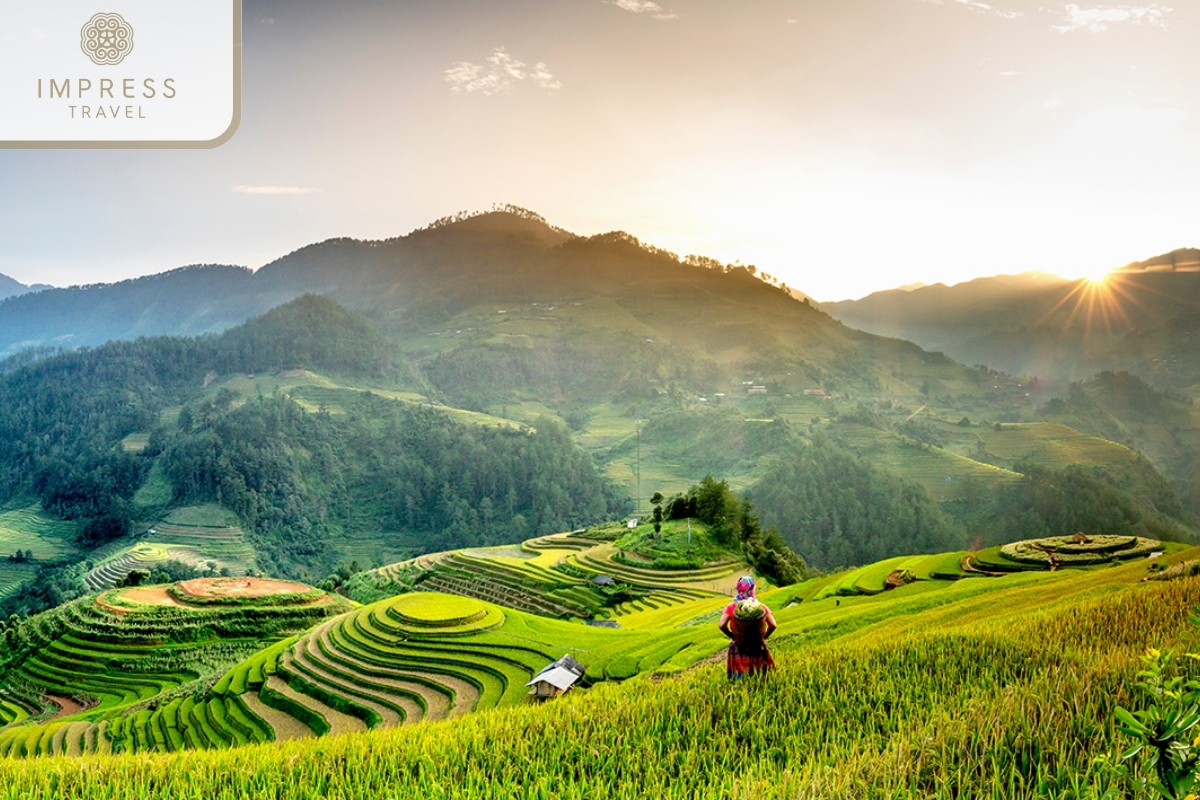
(748, 652)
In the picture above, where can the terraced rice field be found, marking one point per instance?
(140, 556)
(208, 533)
(943, 566)
(395, 571)
(1028, 555)
(198, 536)
(928, 466)
(12, 575)
(525, 578)
(515, 583)
(1051, 444)
(431, 656)
(717, 577)
(667, 609)
(873, 580)
(128, 668)
(315, 392)
(428, 656)
(28, 528)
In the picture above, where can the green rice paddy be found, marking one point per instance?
(939, 688)
(28, 528)
(125, 670)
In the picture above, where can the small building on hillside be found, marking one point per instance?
(555, 679)
(603, 580)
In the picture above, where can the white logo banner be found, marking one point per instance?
(119, 73)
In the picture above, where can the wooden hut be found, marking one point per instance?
(556, 679)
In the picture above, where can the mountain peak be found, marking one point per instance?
(501, 219)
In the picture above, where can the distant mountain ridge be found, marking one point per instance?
(1143, 318)
(460, 276)
(432, 272)
(10, 287)
(1185, 259)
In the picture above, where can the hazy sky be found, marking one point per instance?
(842, 145)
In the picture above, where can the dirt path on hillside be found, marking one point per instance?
(66, 706)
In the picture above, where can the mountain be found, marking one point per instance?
(491, 377)
(11, 288)
(1143, 318)
(1186, 259)
(407, 283)
(507, 293)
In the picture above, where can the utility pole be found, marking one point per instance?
(689, 536)
(637, 505)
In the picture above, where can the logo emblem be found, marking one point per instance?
(107, 39)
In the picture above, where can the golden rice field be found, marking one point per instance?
(980, 687)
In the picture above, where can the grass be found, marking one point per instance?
(156, 491)
(928, 466)
(208, 515)
(936, 689)
(874, 579)
(865, 674)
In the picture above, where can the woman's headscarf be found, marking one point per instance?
(745, 588)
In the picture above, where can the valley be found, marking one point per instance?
(381, 513)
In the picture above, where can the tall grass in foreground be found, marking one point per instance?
(996, 711)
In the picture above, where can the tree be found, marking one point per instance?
(136, 577)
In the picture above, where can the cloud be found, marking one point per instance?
(981, 7)
(497, 75)
(542, 77)
(1008, 73)
(272, 190)
(645, 7)
(1096, 20)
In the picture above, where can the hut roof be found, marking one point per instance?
(558, 677)
(561, 674)
(567, 663)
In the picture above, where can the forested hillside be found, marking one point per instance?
(1165, 426)
(491, 377)
(302, 481)
(112, 438)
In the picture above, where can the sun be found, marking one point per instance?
(1098, 276)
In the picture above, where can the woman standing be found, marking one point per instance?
(748, 624)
